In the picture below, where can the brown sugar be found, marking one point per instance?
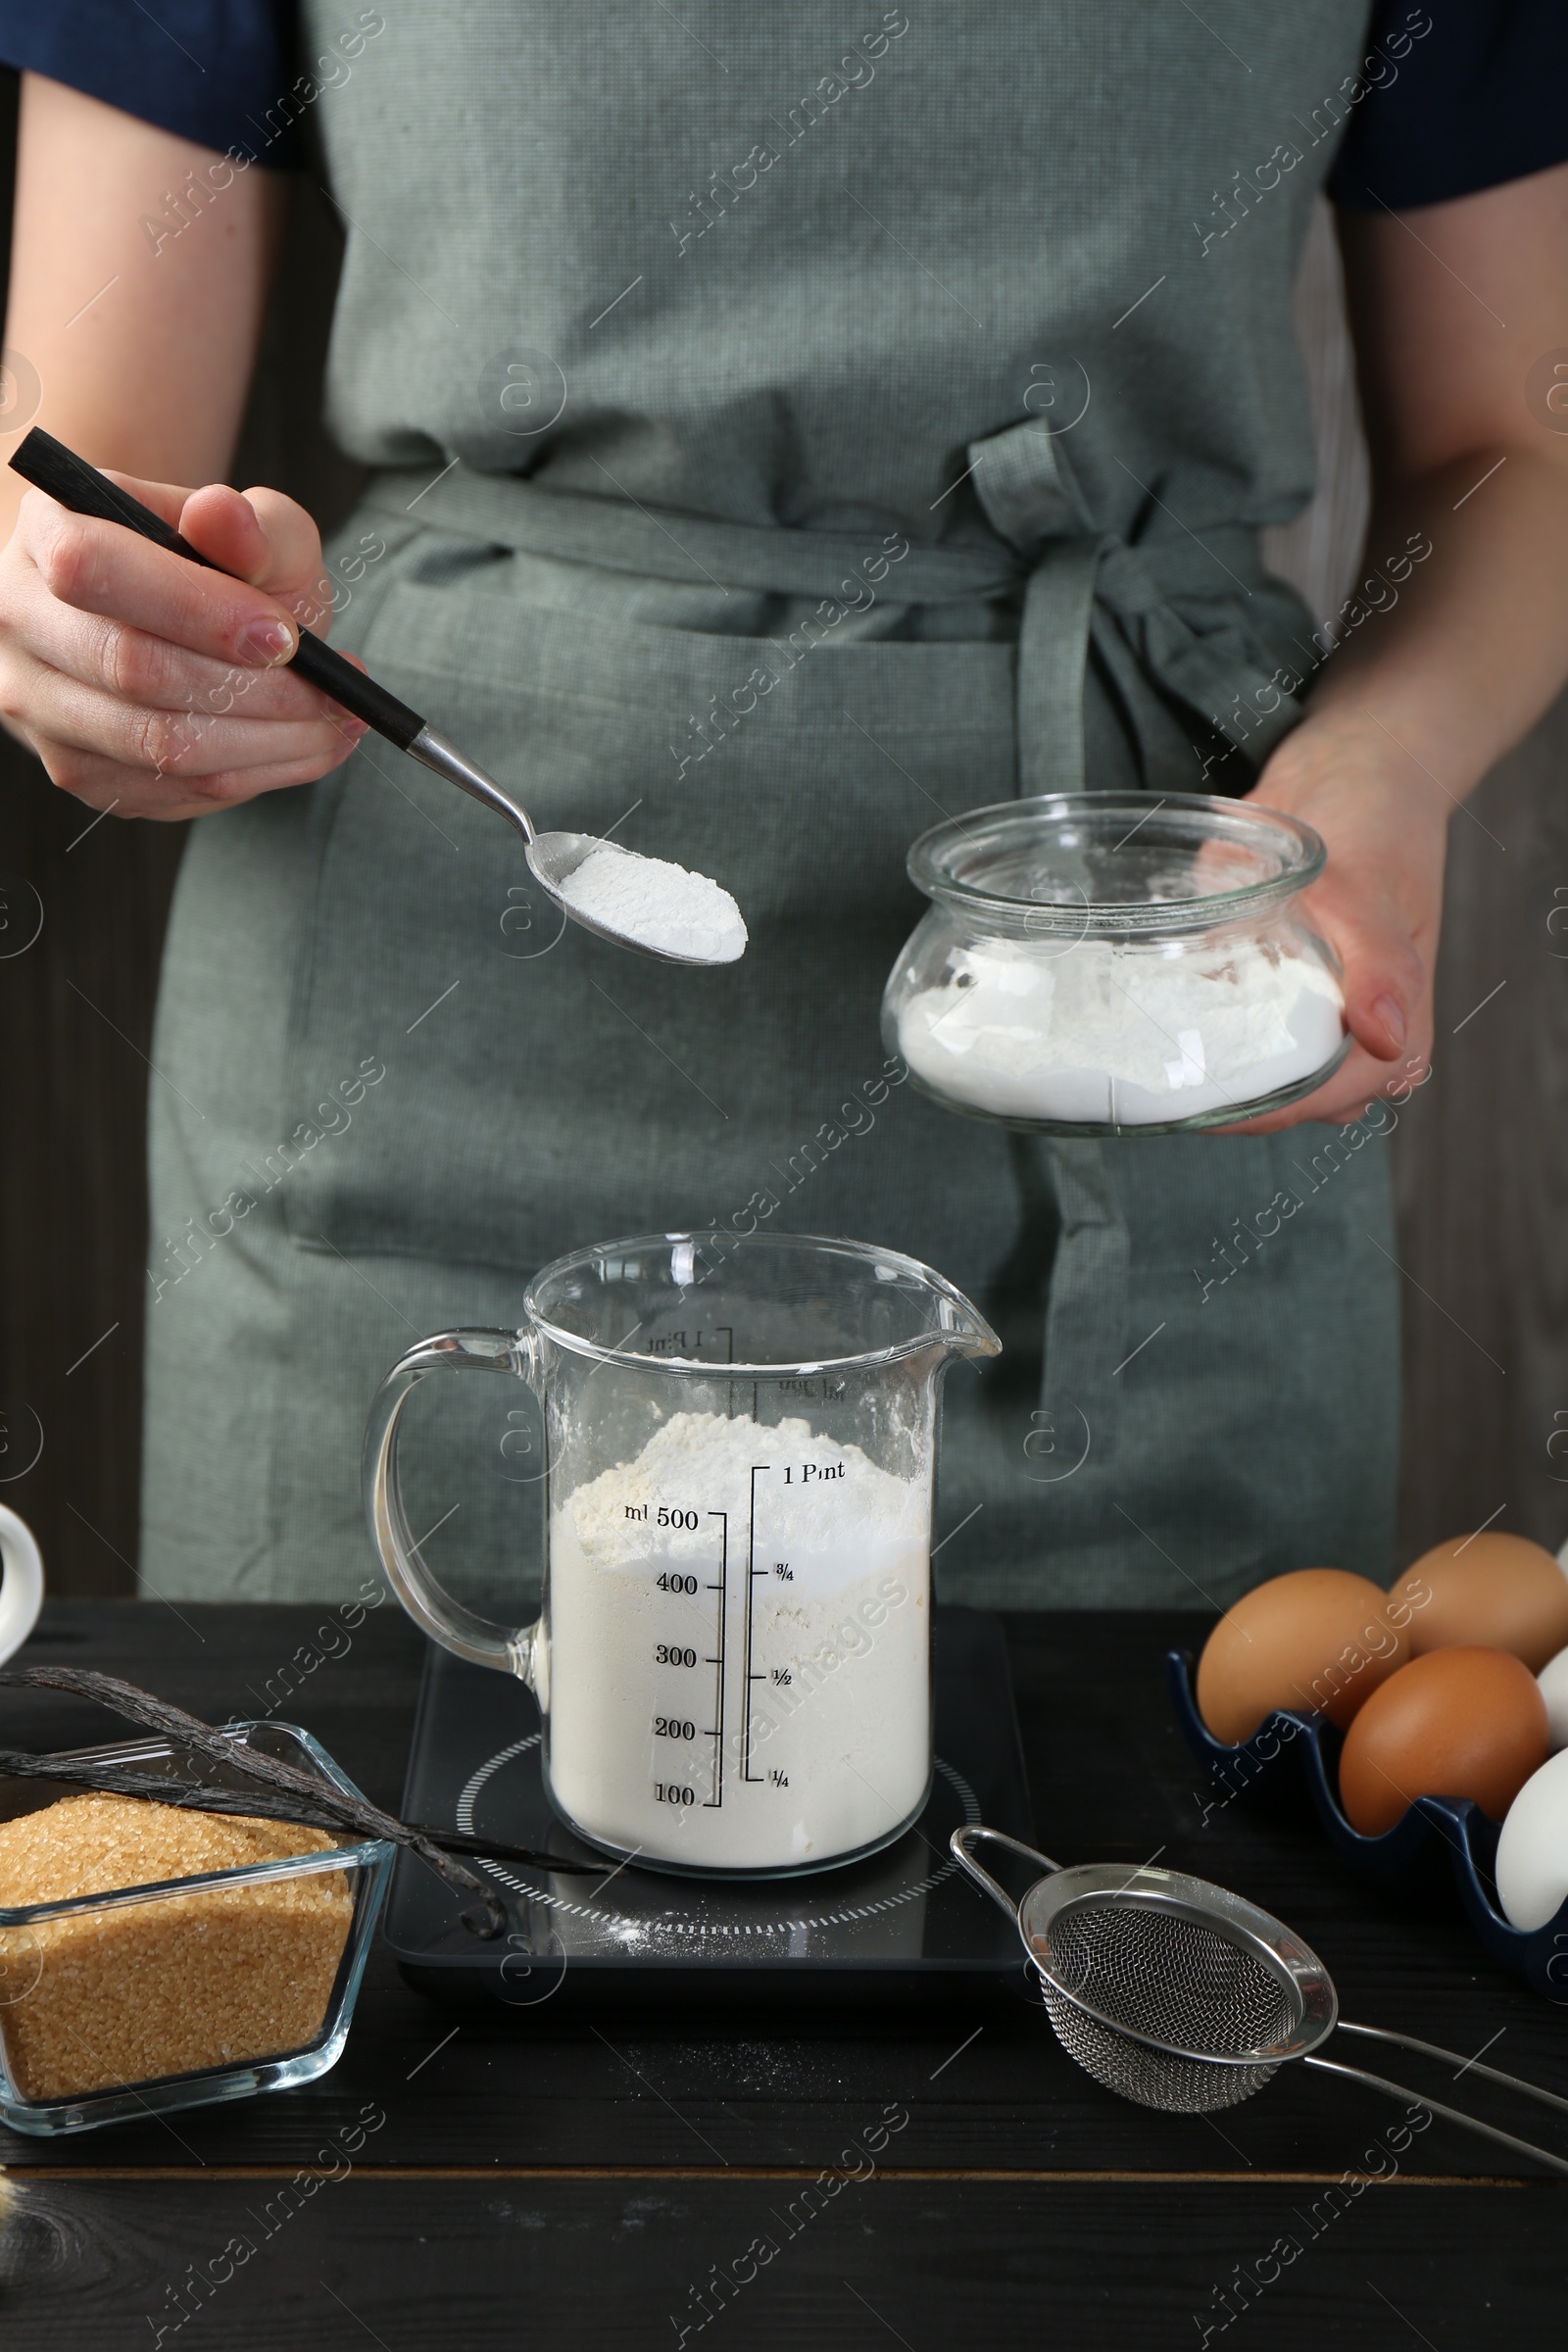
(136, 1992)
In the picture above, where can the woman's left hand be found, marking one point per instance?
(1379, 902)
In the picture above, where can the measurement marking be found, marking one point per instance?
(958, 2053)
(723, 1589)
(1481, 1008)
(610, 306)
(1142, 299)
(753, 1572)
(429, 1008)
(1464, 1547)
(435, 2053)
(109, 1334)
(1139, 1349)
(98, 297)
(97, 820)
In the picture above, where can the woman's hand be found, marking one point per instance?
(1379, 903)
(150, 686)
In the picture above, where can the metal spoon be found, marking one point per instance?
(553, 857)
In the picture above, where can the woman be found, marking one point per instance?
(781, 438)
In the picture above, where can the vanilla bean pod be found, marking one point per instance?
(192, 1796)
(202, 1796)
(327, 1807)
(162, 1715)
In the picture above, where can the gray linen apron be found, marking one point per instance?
(794, 425)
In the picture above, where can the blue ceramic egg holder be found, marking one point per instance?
(1303, 1749)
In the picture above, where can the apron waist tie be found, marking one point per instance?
(1178, 603)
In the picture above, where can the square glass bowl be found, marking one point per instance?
(244, 1996)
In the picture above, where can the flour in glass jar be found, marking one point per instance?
(837, 1743)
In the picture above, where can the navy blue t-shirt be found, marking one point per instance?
(1453, 95)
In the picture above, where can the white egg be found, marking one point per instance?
(1553, 1680)
(1533, 1849)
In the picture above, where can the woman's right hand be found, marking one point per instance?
(150, 686)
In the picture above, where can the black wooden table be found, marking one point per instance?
(855, 2181)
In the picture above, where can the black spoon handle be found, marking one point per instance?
(50, 465)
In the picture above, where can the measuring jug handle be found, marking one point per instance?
(971, 1834)
(444, 1619)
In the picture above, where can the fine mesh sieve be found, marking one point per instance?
(1177, 1994)
(1174, 1981)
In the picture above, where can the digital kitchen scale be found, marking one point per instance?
(901, 1925)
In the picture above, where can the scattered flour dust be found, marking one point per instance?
(657, 904)
(1106, 1033)
(648, 1631)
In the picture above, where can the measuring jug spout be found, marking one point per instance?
(515, 1353)
(962, 1330)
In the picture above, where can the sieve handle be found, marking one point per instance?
(1452, 2115)
(1464, 2065)
(959, 1844)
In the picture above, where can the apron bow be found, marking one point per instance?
(1166, 610)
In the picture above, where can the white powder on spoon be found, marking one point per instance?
(657, 904)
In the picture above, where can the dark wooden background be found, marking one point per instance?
(1484, 1246)
(75, 1024)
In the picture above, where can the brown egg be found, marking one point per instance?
(1316, 1640)
(1490, 1591)
(1456, 1722)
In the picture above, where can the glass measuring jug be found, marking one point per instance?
(732, 1658)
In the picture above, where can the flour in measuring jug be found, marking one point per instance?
(802, 1602)
(657, 904)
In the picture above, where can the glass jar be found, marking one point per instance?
(1109, 964)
